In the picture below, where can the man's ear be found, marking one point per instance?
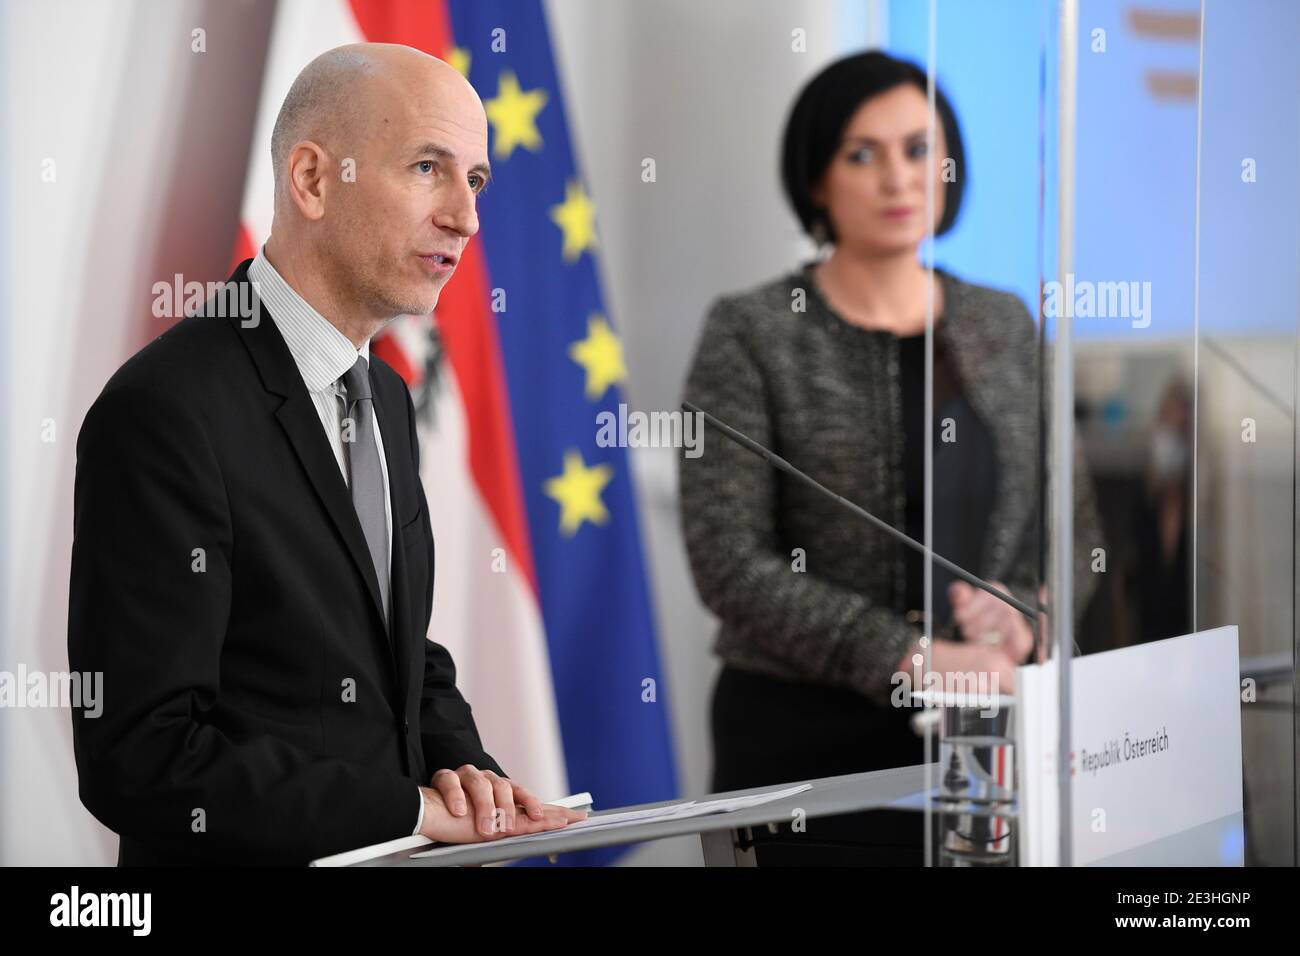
(308, 164)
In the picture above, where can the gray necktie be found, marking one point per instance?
(367, 478)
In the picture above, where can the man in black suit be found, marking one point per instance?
(253, 562)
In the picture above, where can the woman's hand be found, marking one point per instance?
(957, 662)
(983, 619)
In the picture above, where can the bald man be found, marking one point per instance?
(252, 560)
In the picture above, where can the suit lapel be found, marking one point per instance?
(297, 415)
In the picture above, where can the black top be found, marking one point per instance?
(965, 473)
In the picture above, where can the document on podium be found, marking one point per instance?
(629, 818)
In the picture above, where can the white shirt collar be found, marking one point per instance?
(321, 352)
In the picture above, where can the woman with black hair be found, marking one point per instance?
(826, 365)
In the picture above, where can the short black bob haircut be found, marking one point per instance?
(816, 127)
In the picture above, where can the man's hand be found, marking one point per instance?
(468, 804)
(982, 618)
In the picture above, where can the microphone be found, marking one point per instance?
(744, 441)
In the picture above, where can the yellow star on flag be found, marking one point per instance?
(576, 216)
(459, 59)
(601, 354)
(513, 114)
(578, 492)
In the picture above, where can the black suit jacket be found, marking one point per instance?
(256, 709)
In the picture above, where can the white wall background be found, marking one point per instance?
(107, 92)
(68, 67)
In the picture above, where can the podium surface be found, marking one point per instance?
(829, 796)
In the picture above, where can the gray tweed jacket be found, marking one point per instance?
(778, 364)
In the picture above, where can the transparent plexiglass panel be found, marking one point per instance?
(1243, 435)
(981, 384)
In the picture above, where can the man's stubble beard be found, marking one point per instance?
(379, 299)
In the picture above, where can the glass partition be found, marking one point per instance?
(1175, 262)
(1131, 222)
(1243, 438)
(1130, 285)
(983, 435)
